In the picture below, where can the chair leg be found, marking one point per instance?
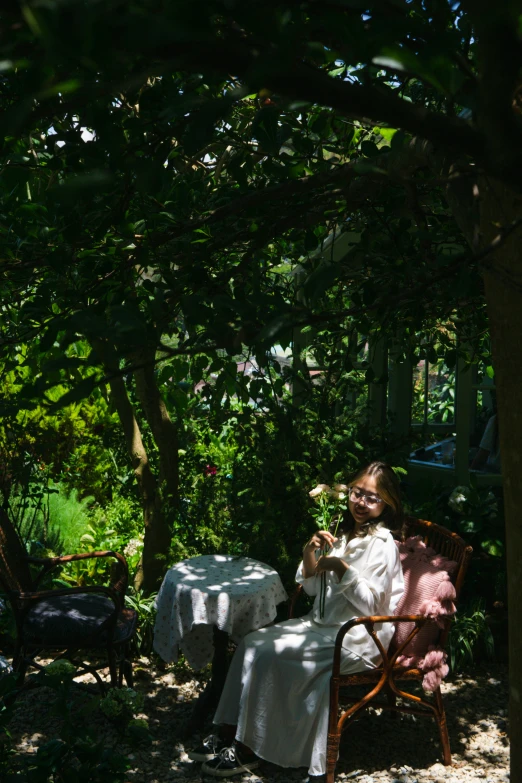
(113, 670)
(443, 728)
(19, 663)
(391, 698)
(334, 732)
(127, 673)
(121, 662)
(125, 667)
(332, 753)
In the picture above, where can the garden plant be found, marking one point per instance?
(184, 349)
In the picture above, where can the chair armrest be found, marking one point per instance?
(51, 562)
(41, 595)
(369, 622)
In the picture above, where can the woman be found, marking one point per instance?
(277, 690)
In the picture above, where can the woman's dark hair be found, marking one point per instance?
(388, 488)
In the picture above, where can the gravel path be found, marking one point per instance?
(376, 749)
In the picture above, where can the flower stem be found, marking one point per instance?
(321, 588)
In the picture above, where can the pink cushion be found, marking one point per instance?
(427, 591)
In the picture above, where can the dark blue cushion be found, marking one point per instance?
(75, 620)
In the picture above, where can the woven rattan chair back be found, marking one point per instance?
(444, 542)
(15, 576)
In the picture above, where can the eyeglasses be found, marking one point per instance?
(357, 496)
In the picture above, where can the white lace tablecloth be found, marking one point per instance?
(235, 594)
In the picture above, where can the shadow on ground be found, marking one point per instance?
(377, 745)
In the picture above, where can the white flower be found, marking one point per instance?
(319, 489)
(458, 499)
(133, 546)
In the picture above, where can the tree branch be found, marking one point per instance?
(420, 289)
(387, 167)
(500, 57)
(300, 81)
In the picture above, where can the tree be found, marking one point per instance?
(228, 136)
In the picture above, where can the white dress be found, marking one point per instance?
(277, 687)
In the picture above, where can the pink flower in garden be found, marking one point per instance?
(210, 470)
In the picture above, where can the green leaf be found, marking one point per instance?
(493, 547)
(320, 281)
(386, 133)
(80, 392)
(265, 128)
(369, 149)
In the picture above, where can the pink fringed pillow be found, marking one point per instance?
(428, 591)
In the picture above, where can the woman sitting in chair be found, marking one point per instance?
(276, 695)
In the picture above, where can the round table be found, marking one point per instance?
(233, 594)
(204, 601)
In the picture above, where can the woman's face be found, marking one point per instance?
(363, 508)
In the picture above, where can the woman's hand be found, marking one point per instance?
(320, 540)
(335, 564)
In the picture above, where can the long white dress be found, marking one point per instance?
(277, 687)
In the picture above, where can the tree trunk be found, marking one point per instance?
(156, 542)
(495, 206)
(165, 436)
(503, 285)
(163, 428)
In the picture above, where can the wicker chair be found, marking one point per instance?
(65, 621)
(384, 678)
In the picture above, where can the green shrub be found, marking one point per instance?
(68, 518)
(79, 753)
(477, 515)
(470, 636)
(123, 514)
(146, 611)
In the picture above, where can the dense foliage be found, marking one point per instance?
(187, 185)
(160, 210)
(154, 209)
